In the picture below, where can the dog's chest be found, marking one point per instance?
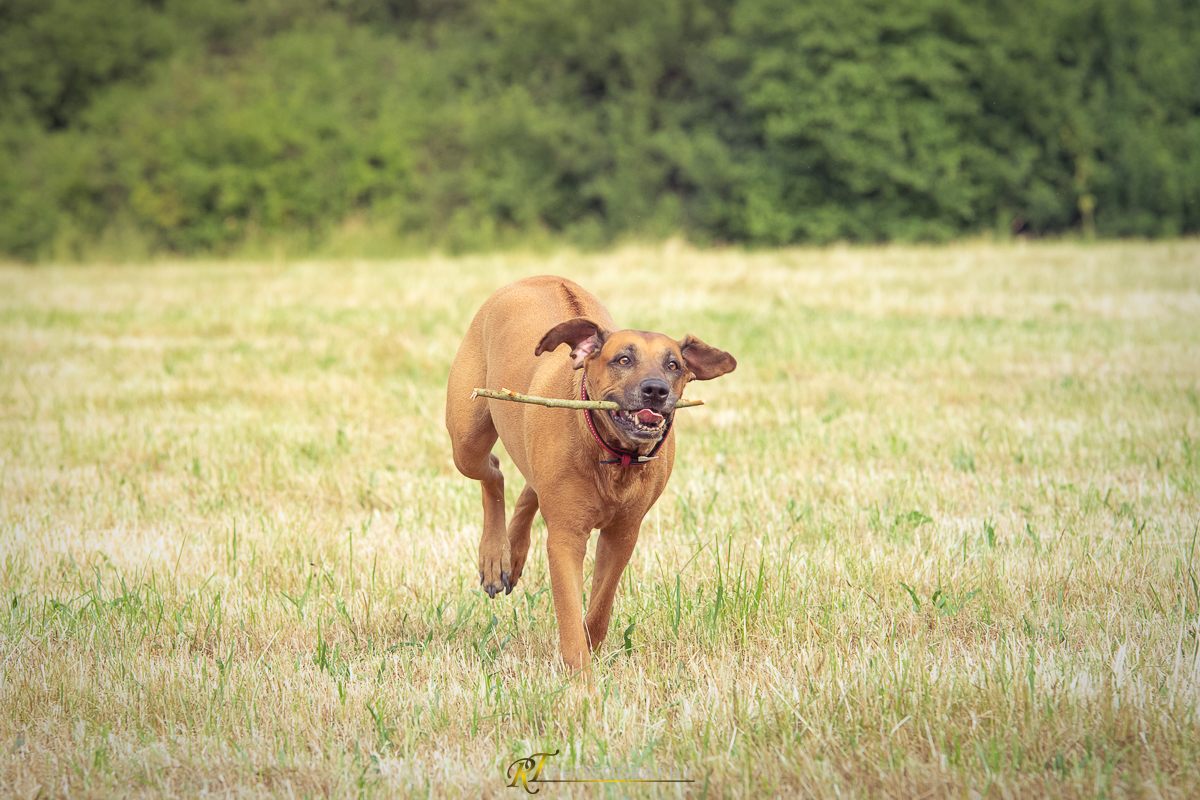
(621, 491)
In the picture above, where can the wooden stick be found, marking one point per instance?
(552, 402)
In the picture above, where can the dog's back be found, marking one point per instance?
(498, 352)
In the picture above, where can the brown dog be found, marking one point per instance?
(583, 470)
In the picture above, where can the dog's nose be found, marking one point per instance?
(655, 391)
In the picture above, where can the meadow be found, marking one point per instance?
(935, 537)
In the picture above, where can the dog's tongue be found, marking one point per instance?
(648, 417)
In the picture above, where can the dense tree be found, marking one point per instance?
(203, 125)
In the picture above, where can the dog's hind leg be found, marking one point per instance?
(518, 530)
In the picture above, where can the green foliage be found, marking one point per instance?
(209, 125)
(55, 55)
(927, 118)
(304, 129)
(868, 121)
(578, 117)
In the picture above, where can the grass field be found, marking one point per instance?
(935, 537)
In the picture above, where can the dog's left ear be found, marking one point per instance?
(704, 361)
(584, 335)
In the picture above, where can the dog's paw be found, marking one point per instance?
(502, 582)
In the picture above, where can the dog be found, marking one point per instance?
(584, 470)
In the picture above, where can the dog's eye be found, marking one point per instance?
(623, 361)
(673, 366)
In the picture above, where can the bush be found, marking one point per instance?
(204, 126)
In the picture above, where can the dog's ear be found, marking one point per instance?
(704, 361)
(584, 335)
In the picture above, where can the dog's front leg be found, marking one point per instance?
(495, 558)
(613, 550)
(565, 549)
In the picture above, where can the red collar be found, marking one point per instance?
(624, 458)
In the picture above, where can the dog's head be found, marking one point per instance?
(643, 372)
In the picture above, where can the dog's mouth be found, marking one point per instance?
(641, 424)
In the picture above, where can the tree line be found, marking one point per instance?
(205, 126)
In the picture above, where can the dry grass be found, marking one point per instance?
(935, 537)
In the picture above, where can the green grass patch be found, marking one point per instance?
(935, 536)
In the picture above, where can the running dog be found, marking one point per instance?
(584, 470)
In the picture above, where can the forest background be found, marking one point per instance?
(130, 128)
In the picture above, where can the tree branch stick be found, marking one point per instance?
(552, 402)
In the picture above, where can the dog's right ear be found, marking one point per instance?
(584, 335)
